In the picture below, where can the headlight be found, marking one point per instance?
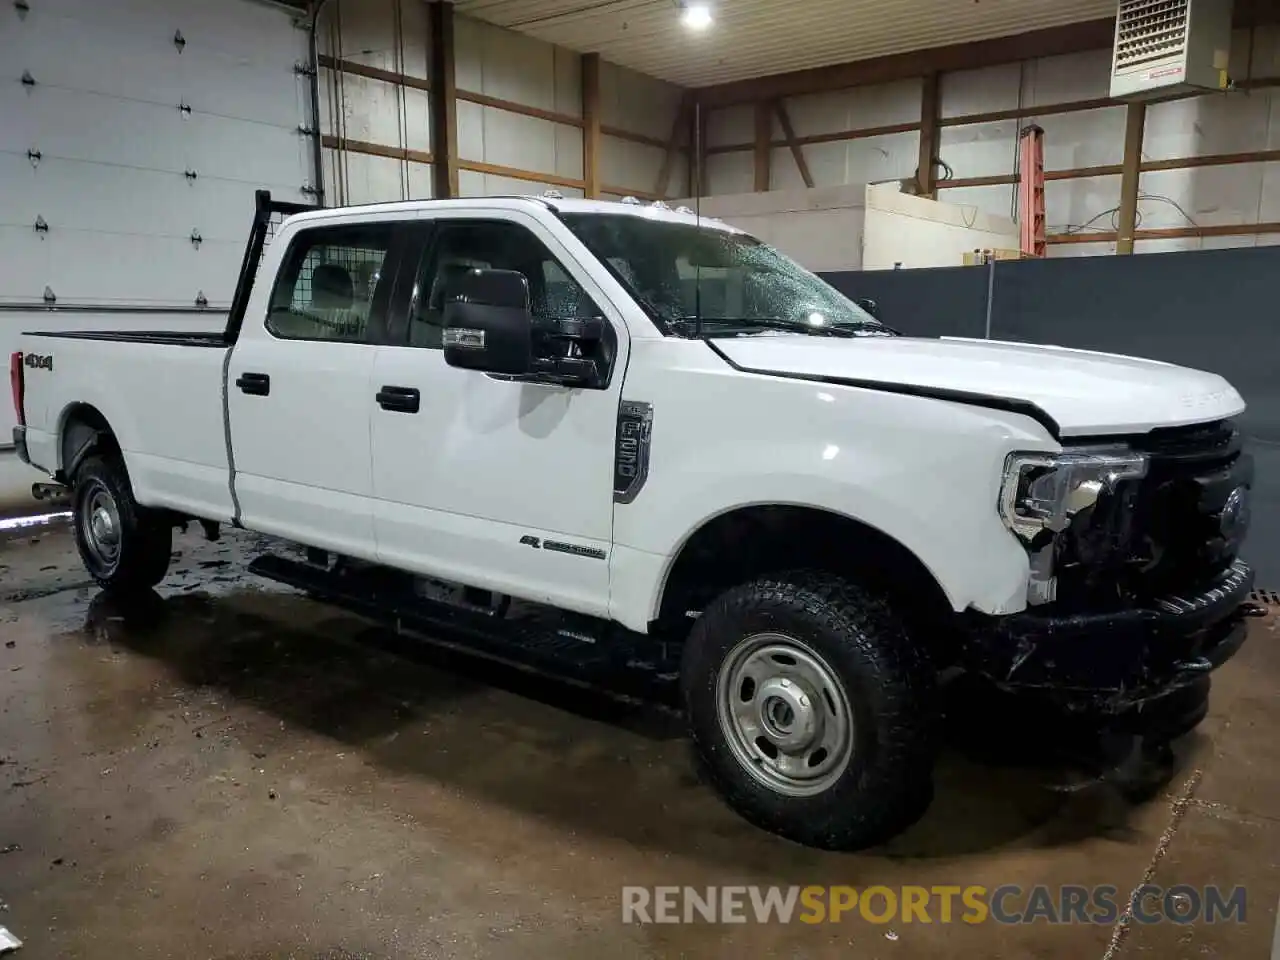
(1044, 491)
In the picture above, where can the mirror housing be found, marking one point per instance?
(869, 306)
(488, 325)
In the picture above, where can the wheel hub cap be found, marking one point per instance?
(102, 526)
(785, 714)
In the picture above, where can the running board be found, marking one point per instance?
(572, 646)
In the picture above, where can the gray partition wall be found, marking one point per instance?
(1214, 310)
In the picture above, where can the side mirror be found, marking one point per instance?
(487, 322)
(869, 306)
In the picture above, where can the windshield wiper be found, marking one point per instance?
(734, 326)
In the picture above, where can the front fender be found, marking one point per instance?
(924, 472)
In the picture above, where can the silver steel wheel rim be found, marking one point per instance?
(784, 714)
(102, 526)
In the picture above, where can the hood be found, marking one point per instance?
(1082, 392)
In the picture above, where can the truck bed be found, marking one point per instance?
(161, 392)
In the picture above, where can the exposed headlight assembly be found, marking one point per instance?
(1042, 492)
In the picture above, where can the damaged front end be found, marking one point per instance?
(1135, 586)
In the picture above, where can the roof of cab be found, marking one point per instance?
(648, 211)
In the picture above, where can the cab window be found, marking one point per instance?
(329, 284)
(461, 245)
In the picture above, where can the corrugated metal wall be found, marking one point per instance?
(143, 124)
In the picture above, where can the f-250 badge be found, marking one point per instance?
(631, 450)
(38, 362)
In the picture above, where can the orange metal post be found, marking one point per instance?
(1031, 191)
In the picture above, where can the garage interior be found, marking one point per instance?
(237, 771)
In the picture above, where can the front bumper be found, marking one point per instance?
(20, 444)
(1110, 662)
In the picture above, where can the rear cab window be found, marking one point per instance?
(332, 284)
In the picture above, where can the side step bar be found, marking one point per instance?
(572, 646)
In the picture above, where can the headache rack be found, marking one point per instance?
(268, 214)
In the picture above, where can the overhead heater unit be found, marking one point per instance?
(1167, 47)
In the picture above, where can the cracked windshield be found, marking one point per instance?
(702, 280)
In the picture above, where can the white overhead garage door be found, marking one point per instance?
(133, 134)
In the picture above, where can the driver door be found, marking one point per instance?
(490, 482)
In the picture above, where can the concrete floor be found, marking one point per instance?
(252, 775)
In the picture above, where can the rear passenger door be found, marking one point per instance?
(298, 389)
(484, 480)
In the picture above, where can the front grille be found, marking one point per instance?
(1189, 484)
(1176, 529)
(1199, 445)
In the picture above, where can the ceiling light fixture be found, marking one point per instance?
(696, 16)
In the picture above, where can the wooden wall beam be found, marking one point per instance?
(1169, 233)
(1022, 113)
(377, 149)
(993, 116)
(553, 116)
(1050, 42)
(518, 173)
(372, 73)
(1117, 169)
(591, 124)
(763, 144)
(1130, 174)
(930, 117)
(444, 100)
(833, 136)
(352, 68)
(789, 135)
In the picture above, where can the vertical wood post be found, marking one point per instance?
(444, 102)
(591, 124)
(1130, 173)
(930, 122)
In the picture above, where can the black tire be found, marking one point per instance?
(886, 783)
(143, 542)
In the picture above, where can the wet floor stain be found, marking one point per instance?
(232, 770)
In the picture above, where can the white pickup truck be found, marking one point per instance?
(647, 423)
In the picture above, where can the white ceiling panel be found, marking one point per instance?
(752, 38)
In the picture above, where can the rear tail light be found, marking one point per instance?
(18, 386)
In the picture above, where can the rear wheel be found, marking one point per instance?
(124, 546)
(811, 710)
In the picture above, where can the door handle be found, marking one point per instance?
(257, 384)
(399, 399)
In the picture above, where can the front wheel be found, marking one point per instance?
(811, 710)
(123, 545)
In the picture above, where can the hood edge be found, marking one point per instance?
(990, 401)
